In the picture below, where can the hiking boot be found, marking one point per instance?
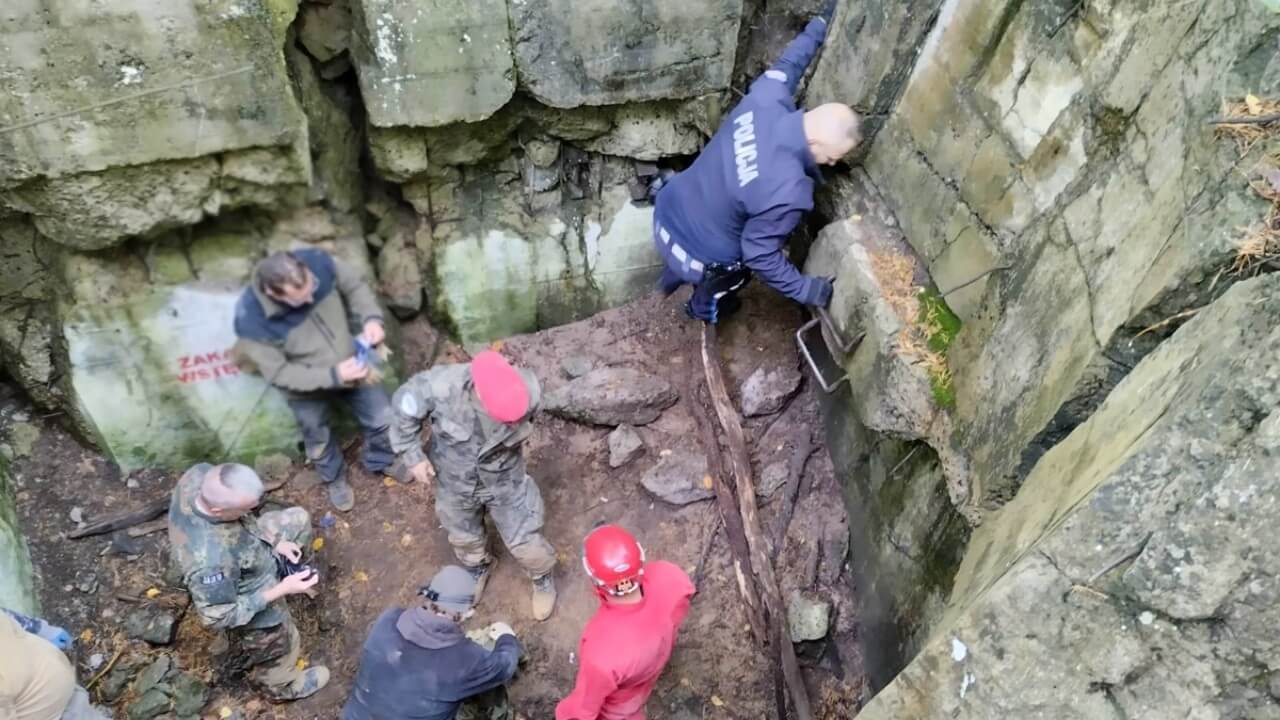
(544, 597)
(481, 574)
(308, 683)
(341, 495)
(398, 472)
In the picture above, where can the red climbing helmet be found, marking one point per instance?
(612, 557)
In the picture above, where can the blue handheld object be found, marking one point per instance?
(363, 351)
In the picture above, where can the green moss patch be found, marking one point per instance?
(940, 326)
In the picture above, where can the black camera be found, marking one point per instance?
(286, 567)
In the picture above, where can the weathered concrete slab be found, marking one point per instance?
(431, 64)
(140, 81)
(1131, 569)
(603, 52)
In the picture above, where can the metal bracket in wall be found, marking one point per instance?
(844, 347)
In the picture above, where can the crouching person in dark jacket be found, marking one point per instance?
(418, 664)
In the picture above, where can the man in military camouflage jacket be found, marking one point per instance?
(479, 415)
(227, 558)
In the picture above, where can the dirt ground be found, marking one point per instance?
(377, 556)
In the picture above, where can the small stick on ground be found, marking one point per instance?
(795, 475)
(105, 669)
(761, 557)
(712, 534)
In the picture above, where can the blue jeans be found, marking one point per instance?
(372, 408)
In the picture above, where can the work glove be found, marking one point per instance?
(60, 638)
(498, 629)
(817, 291)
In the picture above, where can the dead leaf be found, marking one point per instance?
(715, 700)
(361, 576)
(87, 635)
(302, 663)
(496, 345)
(388, 482)
(317, 544)
(707, 482)
(1253, 103)
(387, 527)
(224, 712)
(406, 540)
(153, 592)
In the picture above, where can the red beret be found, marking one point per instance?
(501, 389)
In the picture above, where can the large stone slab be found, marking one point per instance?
(140, 81)
(612, 396)
(1053, 171)
(1132, 568)
(603, 52)
(431, 64)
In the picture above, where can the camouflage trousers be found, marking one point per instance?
(489, 705)
(517, 514)
(269, 656)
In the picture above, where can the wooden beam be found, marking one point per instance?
(758, 544)
(150, 511)
(730, 518)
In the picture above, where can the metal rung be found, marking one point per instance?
(845, 348)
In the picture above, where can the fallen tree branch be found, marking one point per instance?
(729, 518)
(150, 511)
(1245, 120)
(147, 528)
(105, 669)
(795, 475)
(761, 558)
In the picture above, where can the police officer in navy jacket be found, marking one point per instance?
(729, 215)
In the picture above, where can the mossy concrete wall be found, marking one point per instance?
(1051, 165)
(16, 589)
(1131, 577)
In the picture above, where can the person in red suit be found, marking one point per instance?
(629, 640)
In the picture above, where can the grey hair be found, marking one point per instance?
(281, 270)
(231, 485)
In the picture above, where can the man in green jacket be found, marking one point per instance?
(297, 322)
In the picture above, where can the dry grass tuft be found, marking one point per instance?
(1259, 245)
(1249, 131)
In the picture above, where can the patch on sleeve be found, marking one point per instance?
(776, 75)
(409, 404)
(214, 587)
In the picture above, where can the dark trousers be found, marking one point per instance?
(714, 294)
(372, 408)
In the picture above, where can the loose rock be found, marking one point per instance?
(625, 445)
(575, 366)
(189, 695)
(612, 396)
(766, 391)
(154, 674)
(772, 477)
(807, 618)
(156, 626)
(22, 438)
(152, 704)
(679, 478)
(87, 582)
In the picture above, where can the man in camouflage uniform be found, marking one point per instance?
(479, 415)
(227, 558)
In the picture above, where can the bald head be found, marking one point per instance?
(231, 489)
(832, 131)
